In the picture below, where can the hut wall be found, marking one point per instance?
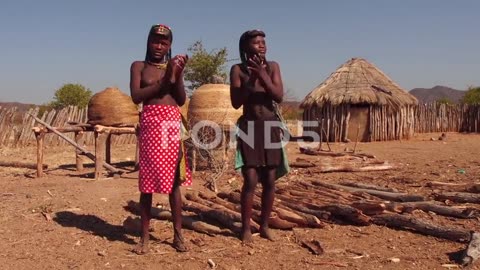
(373, 123)
(387, 124)
(359, 123)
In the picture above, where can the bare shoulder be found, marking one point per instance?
(137, 65)
(236, 71)
(274, 64)
(235, 68)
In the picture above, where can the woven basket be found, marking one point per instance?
(212, 102)
(112, 107)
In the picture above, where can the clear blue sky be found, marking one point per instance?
(45, 44)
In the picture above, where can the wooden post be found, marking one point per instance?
(347, 120)
(356, 139)
(100, 140)
(321, 134)
(108, 147)
(320, 128)
(79, 139)
(39, 136)
(328, 143)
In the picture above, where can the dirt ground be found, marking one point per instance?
(83, 226)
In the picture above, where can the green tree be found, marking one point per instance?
(205, 67)
(472, 96)
(444, 100)
(71, 95)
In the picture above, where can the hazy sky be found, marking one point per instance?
(45, 44)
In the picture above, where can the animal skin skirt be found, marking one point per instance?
(255, 152)
(161, 161)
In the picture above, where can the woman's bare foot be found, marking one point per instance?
(266, 233)
(179, 244)
(246, 237)
(142, 247)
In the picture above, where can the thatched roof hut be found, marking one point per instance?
(358, 98)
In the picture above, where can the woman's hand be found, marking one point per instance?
(258, 68)
(179, 62)
(175, 68)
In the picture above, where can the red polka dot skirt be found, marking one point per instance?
(159, 149)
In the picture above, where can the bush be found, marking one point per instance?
(71, 95)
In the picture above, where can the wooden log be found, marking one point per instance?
(369, 208)
(81, 148)
(298, 164)
(313, 152)
(421, 226)
(219, 213)
(325, 212)
(436, 208)
(100, 141)
(322, 215)
(80, 140)
(225, 219)
(312, 197)
(347, 213)
(78, 124)
(188, 222)
(274, 221)
(472, 252)
(40, 138)
(343, 212)
(468, 187)
(391, 196)
(460, 197)
(19, 164)
(333, 193)
(108, 149)
(325, 168)
(301, 219)
(202, 227)
(367, 186)
(114, 130)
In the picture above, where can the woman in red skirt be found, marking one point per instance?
(158, 83)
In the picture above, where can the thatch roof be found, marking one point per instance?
(358, 82)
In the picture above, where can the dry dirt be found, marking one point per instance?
(82, 225)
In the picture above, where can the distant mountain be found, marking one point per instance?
(429, 95)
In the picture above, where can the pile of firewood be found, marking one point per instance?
(312, 204)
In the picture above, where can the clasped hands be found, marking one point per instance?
(175, 68)
(257, 68)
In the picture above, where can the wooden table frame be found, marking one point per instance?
(102, 144)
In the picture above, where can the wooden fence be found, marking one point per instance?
(385, 124)
(16, 127)
(447, 118)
